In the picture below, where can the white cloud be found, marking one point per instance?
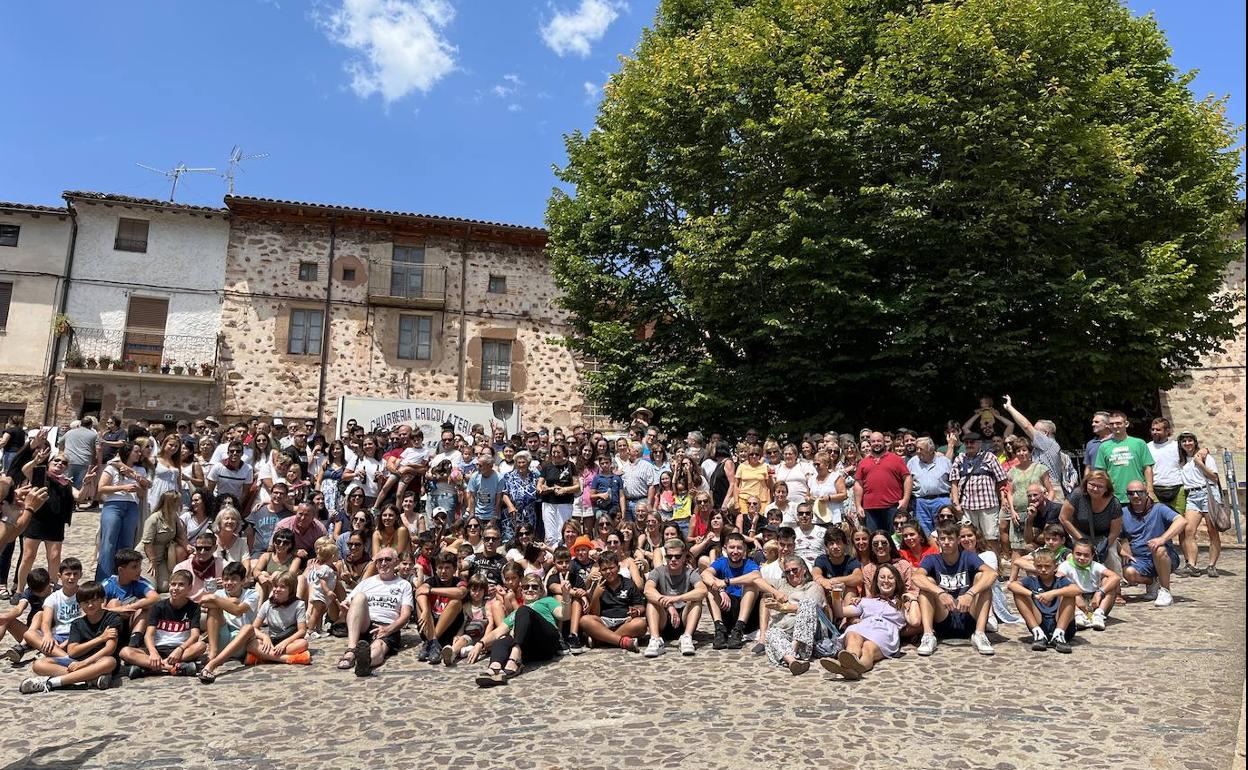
(400, 44)
(514, 108)
(510, 85)
(592, 92)
(575, 31)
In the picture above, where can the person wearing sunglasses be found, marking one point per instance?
(204, 565)
(489, 562)
(1146, 547)
(793, 608)
(674, 595)
(378, 609)
(530, 633)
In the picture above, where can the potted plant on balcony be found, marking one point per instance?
(166, 366)
(177, 368)
(118, 365)
(61, 325)
(90, 362)
(105, 362)
(206, 369)
(73, 359)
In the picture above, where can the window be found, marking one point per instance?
(305, 332)
(145, 330)
(8, 234)
(415, 337)
(348, 274)
(407, 272)
(131, 235)
(307, 271)
(6, 296)
(496, 365)
(498, 284)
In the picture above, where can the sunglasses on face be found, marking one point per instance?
(355, 545)
(675, 556)
(384, 559)
(795, 572)
(490, 539)
(530, 589)
(203, 548)
(1136, 493)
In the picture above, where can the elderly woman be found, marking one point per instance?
(520, 499)
(231, 545)
(794, 606)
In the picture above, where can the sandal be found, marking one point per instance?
(491, 678)
(511, 673)
(207, 676)
(347, 660)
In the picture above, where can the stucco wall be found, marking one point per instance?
(260, 377)
(42, 244)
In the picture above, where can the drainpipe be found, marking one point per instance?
(463, 318)
(329, 288)
(61, 305)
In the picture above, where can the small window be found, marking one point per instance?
(496, 365)
(307, 271)
(498, 284)
(415, 337)
(8, 234)
(348, 274)
(6, 296)
(305, 332)
(131, 235)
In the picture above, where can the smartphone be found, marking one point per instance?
(39, 476)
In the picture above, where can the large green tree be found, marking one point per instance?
(833, 212)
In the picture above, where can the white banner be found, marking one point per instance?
(381, 414)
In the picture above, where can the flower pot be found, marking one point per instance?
(164, 369)
(206, 369)
(177, 370)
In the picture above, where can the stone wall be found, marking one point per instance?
(263, 288)
(133, 396)
(18, 390)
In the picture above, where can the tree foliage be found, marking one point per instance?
(836, 212)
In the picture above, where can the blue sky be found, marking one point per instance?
(451, 107)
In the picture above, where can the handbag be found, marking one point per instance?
(1219, 513)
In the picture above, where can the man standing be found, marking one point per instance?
(1125, 458)
(484, 498)
(82, 449)
(979, 488)
(1100, 432)
(1167, 472)
(884, 485)
(930, 472)
(639, 477)
(378, 609)
(114, 438)
(1145, 547)
(1044, 446)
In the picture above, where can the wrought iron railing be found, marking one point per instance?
(414, 281)
(92, 347)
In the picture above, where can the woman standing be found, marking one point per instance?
(334, 475)
(369, 470)
(520, 499)
(1200, 478)
(557, 487)
(753, 480)
(828, 490)
(262, 467)
(794, 608)
(166, 471)
(796, 473)
(123, 480)
(586, 470)
(164, 539)
(49, 519)
(192, 471)
(1023, 474)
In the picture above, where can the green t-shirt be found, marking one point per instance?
(544, 606)
(1124, 461)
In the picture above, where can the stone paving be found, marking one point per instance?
(1161, 688)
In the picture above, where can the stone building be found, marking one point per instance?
(34, 244)
(323, 301)
(144, 301)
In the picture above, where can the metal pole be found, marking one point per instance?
(1232, 489)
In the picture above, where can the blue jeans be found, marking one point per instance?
(683, 526)
(925, 511)
(118, 521)
(5, 459)
(878, 519)
(76, 474)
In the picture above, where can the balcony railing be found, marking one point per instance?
(130, 244)
(140, 350)
(407, 284)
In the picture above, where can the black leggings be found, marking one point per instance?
(537, 639)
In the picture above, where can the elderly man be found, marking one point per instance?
(306, 529)
(930, 472)
(1041, 512)
(979, 488)
(1044, 446)
(639, 478)
(378, 609)
(1145, 547)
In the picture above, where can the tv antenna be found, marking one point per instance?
(236, 159)
(176, 173)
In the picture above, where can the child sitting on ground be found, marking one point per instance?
(38, 588)
(280, 626)
(129, 594)
(320, 584)
(1054, 542)
(171, 642)
(1047, 603)
(60, 609)
(475, 625)
(1098, 585)
(231, 611)
(91, 650)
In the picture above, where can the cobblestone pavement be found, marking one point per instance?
(1161, 688)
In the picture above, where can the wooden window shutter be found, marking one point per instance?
(148, 314)
(6, 296)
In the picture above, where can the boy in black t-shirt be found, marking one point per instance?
(92, 648)
(617, 608)
(171, 643)
(38, 588)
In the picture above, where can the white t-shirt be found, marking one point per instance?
(385, 597)
(1192, 476)
(365, 469)
(64, 611)
(798, 478)
(809, 547)
(251, 598)
(111, 476)
(415, 455)
(1088, 580)
(1166, 470)
(231, 481)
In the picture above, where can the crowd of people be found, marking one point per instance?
(244, 542)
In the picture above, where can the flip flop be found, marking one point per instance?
(850, 661)
(363, 658)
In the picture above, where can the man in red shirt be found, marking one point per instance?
(884, 485)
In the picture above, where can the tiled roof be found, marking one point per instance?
(127, 199)
(330, 208)
(33, 208)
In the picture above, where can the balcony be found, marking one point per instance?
(407, 284)
(127, 353)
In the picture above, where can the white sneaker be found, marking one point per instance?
(927, 645)
(982, 645)
(1082, 620)
(655, 648)
(686, 645)
(1098, 621)
(34, 684)
(1150, 593)
(1164, 599)
(992, 624)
